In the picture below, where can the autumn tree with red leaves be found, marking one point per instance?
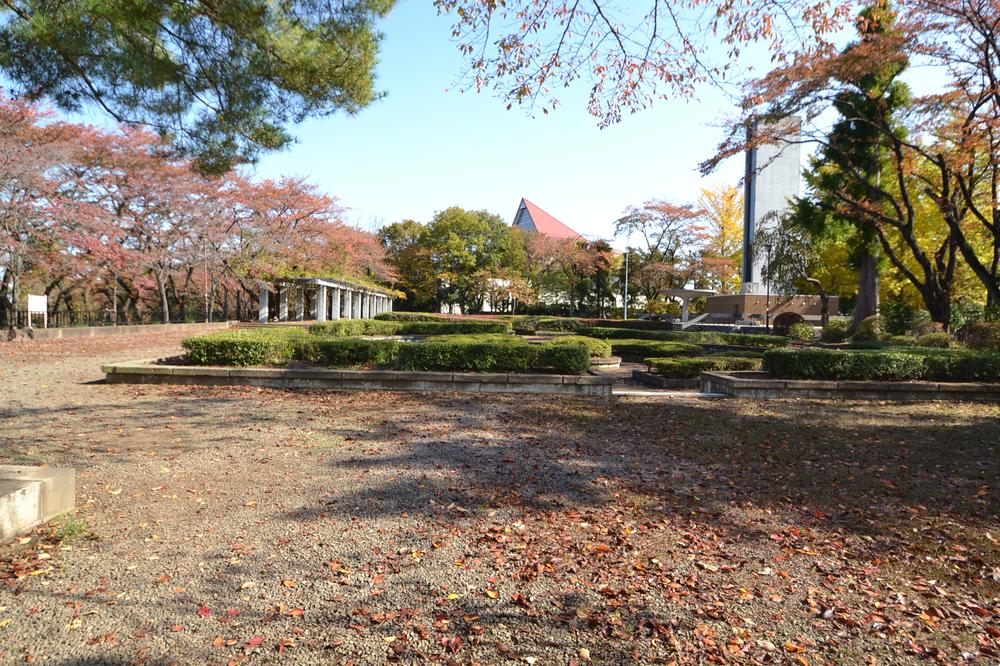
(117, 219)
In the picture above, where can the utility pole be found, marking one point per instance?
(625, 295)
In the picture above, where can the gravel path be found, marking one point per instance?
(260, 526)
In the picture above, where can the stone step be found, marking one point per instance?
(32, 495)
(20, 507)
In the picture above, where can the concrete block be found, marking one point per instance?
(141, 369)
(195, 370)
(520, 378)
(20, 507)
(257, 373)
(480, 377)
(970, 387)
(56, 487)
(810, 384)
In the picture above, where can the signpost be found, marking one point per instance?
(38, 305)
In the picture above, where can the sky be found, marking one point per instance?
(427, 146)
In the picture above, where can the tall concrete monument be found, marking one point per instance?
(773, 174)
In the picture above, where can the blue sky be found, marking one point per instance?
(427, 146)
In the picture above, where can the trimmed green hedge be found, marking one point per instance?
(491, 356)
(690, 368)
(240, 348)
(457, 353)
(648, 348)
(597, 348)
(354, 327)
(895, 364)
(412, 316)
(694, 337)
(846, 364)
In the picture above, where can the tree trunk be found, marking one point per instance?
(164, 303)
(868, 289)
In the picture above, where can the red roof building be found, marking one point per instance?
(533, 220)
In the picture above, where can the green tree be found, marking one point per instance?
(221, 79)
(853, 159)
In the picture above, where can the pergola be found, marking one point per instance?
(329, 299)
(686, 295)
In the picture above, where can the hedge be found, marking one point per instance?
(648, 348)
(355, 327)
(489, 356)
(458, 353)
(895, 364)
(837, 364)
(695, 337)
(349, 352)
(597, 348)
(690, 368)
(240, 348)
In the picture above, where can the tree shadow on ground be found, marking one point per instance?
(862, 466)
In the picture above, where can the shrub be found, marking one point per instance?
(633, 324)
(983, 335)
(689, 368)
(657, 348)
(348, 352)
(901, 341)
(963, 366)
(939, 340)
(784, 321)
(843, 364)
(558, 324)
(901, 318)
(802, 331)
(355, 327)
(411, 316)
(242, 348)
(596, 348)
(834, 331)
(490, 356)
(699, 337)
(870, 328)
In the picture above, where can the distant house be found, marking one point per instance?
(533, 220)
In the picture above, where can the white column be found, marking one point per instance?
(390, 304)
(320, 303)
(356, 305)
(300, 303)
(335, 304)
(684, 309)
(262, 303)
(364, 306)
(283, 302)
(345, 305)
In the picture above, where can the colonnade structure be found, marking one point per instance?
(322, 299)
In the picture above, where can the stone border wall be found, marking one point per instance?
(758, 385)
(656, 381)
(153, 372)
(103, 331)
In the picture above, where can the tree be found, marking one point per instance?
(570, 260)
(222, 79)
(722, 252)
(918, 154)
(29, 198)
(796, 256)
(526, 49)
(670, 235)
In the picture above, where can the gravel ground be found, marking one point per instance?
(246, 525)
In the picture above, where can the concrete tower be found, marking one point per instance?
(773, 174)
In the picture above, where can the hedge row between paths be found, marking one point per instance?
(691, 368)
(345, 328)
(487, 353)
(897, 364)
(694, 337)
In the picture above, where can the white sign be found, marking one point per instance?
(38, 305)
